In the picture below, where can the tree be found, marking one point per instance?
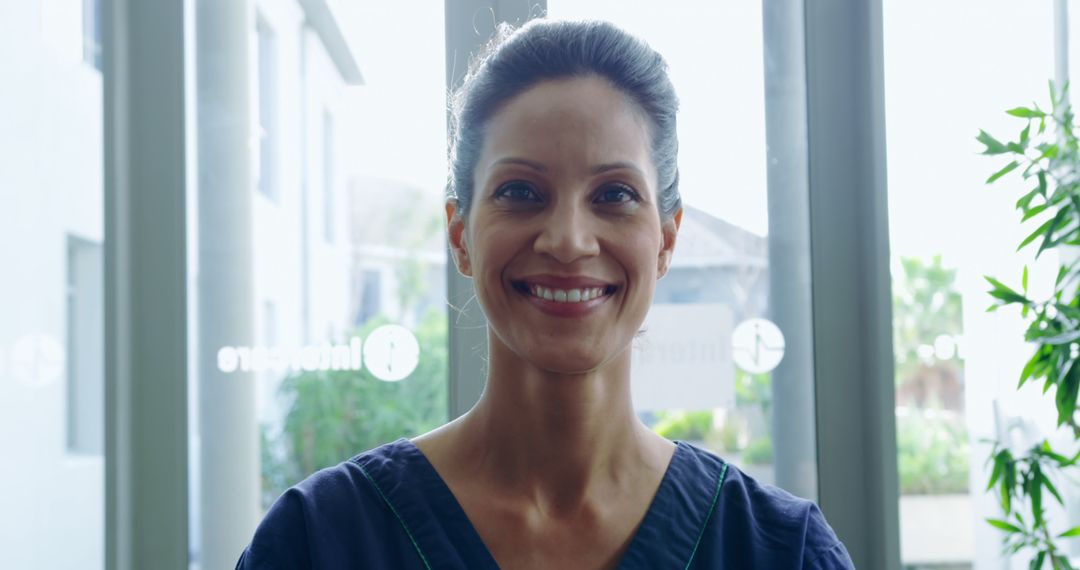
(333, 415)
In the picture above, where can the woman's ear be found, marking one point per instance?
(455, 233)
(668, 229)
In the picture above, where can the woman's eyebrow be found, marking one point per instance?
(598, 169)
(522, 161)
(601, 168)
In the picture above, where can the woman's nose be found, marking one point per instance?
(568, 234)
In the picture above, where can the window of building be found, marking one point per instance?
(328, 176)
(269, 332)
(268, 110)
(92, 50)
(85, 363)
(370, 295)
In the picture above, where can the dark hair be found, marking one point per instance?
(515, 60)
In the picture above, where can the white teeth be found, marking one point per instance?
(567, 295)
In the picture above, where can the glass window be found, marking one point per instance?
(948, 76)
(290, 294)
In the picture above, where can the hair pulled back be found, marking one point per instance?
(517, 59)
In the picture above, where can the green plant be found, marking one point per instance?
(753, 390)
(926, 319)
(692, 426)
(333, 415)
(759, 452)
(728, 437)
(1049, 158)
(933, 453)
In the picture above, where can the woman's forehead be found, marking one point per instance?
(580, 124)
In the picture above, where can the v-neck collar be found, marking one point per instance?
(445, 537)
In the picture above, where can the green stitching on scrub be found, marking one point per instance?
(400, 520)
(716, 496)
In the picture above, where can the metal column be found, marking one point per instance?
(146, 404)
(789, 251)
(849, 256)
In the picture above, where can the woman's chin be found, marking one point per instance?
(568, 363)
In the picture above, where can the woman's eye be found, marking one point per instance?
(617, 194)
(517, 192)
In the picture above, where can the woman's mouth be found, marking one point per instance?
(563, 295)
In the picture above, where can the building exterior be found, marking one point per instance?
(52, 207)
(51, 223)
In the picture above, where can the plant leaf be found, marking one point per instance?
(998, 523)
(1025, 200)
(1007, 169)
(1048, 151)
(1035, 234)
(1032, 212)
(999, 466)
(1053, 490)
(993, 146)
(1035, 492)
(1067, 389)
(1074, 531)
(1009, 474)
(1054, 223)
(1025, 113)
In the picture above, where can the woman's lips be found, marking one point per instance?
(565, 300)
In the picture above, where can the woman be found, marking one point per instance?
(564, 211)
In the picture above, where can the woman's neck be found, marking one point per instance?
(558, 440)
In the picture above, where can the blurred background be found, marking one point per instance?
(319, 314)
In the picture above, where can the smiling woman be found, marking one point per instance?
(564, 210)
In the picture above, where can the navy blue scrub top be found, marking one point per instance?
(389, 508)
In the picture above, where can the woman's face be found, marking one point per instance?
(564, 239)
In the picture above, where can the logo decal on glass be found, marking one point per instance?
(391, 352)
(758, 345)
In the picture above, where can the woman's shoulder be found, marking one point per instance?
(301, 528)
(339, 486)
(758, 522)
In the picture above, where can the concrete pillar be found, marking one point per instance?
(228, 431)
